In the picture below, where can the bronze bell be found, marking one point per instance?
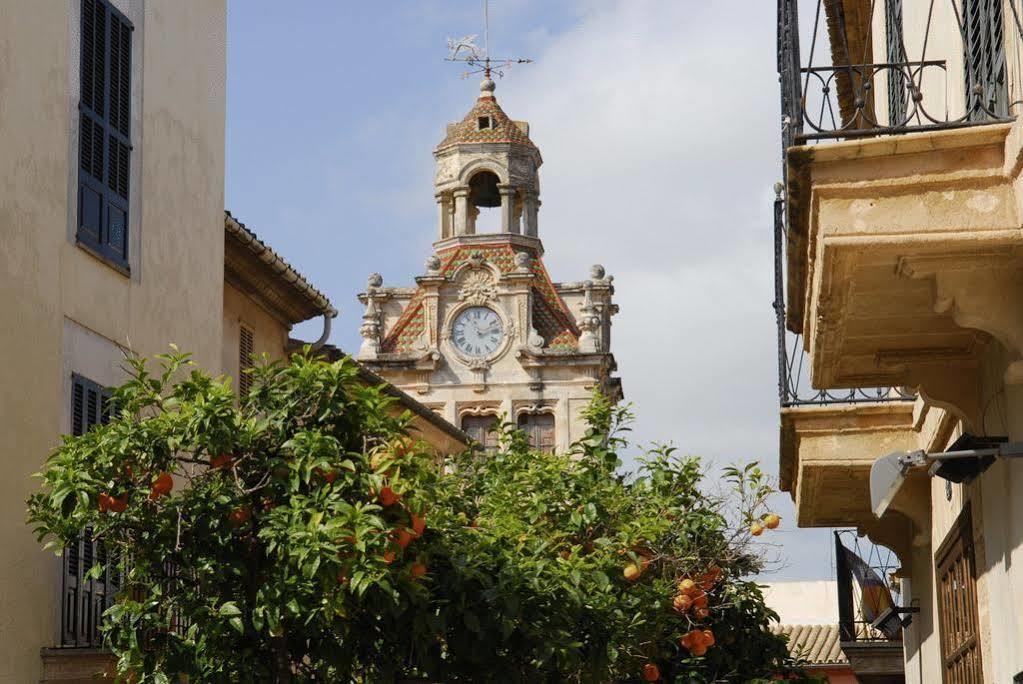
(483, 190)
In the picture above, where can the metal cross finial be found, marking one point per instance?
(465, 50)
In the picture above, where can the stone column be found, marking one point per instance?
(444, 216)
(531, 206)
(463, 225)
(508, 222)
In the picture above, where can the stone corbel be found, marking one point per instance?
(981, 292)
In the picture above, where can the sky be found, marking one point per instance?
(658, 122)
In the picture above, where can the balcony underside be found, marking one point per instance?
(906, 259)
(826, 454)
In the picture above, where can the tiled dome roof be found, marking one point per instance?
(499, 128)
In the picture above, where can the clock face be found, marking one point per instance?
(477, 331)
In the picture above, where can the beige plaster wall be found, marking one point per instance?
(64, 310)
(270, 336)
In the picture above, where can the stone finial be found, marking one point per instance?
(487, 87)
(432, 264)
(597, 272)
(589, 323)
(374, 281)
(370, 328)
(523, 262)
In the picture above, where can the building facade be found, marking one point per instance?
(115, 242)
(485, 333)
(898, 242)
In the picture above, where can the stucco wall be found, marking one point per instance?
(269, 335)
(64, 310)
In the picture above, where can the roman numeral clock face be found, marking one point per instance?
(477, 331)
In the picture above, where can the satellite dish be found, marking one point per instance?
(886, 476)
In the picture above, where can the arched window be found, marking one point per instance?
(485, 201)
(482, 429)
(539, 429)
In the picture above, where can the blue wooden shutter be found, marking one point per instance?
(984, 59)
(895, 53)
(83, 601)
(104, 149)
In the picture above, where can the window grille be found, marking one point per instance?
(957, 604)
(895, 54)
(483, 430)
(84, 600)
(984, 59)
(539, 429)
(246, 349)
(104, 145)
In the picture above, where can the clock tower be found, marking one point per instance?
(485, 332)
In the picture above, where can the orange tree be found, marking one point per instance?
(301, 535)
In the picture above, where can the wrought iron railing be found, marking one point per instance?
(794, 388)
(952, 63)
(865, 574)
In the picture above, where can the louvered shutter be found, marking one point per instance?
(896, 54)
(83, 601)
(482, 429)
(984, 59)
(104, 147)
(246, 348)
(539, 429)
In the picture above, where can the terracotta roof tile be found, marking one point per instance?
(814, 644)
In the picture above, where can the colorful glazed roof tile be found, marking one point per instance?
(499, 128)
(551, 317)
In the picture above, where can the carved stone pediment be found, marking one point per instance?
(478, 286)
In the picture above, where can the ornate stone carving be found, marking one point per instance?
(597, 272)
(523, 262)
(589, 323)
(535, 341)
(374, 281)
(370, 330)
(478, 287)
(432, 265)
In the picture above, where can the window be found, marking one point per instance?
(539, 429)
(84, 600)
(104, 138)
(482, 429)
(895, 54)
(984, 59)
(484, 122)
(957, 604)
(246, 349)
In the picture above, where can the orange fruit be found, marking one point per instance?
(702, 613)
(387, 496)
(708, 637)
(418, 524)
(118, 504)
(682, 603)
(417, 570)
(403, 537)
(651, 673)
(388, 557)
(756, 529)
(700, 600)
(221, 461)
(686, 586)
(632, 572)
(162, 485)
(771, 521)
(699, 651)
(240, 515)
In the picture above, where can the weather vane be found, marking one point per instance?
(466, 50)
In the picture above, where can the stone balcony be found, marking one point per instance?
(905, 261)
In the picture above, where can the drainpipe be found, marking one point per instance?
(327, 318)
